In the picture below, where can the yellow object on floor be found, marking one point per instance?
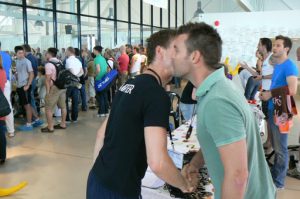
(12, 190)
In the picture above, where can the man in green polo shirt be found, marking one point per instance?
(101, 70)
(228, 133)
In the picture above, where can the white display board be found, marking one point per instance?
(240, 31)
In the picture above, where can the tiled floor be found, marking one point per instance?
(56, 165)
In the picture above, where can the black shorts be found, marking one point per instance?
(24, 96)
(265, 110)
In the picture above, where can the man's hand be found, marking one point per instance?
(26, 88)
(265, 95)
(191, 174)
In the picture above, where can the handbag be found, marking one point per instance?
(106, 80)
(4, 105)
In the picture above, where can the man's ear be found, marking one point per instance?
(158, 52)
(196, 56)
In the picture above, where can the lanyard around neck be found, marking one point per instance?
(155, 73)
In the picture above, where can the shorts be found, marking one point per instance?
(24, 96)
(55, 97)
(265, 110)
(91, 86)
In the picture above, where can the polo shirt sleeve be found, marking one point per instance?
(156, 109)
(29, 66)
(224, 122)
(291, 70)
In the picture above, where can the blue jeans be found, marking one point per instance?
(73, 93)
(251, 89)
(102, 102)
(2, 140)
(33, 87)
(187, 110)
(83, 97)
(280, 145)
(97, 191)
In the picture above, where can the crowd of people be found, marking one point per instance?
(132, 138)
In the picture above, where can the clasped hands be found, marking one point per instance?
(191, 176)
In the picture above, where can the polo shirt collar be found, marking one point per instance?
(210, 81)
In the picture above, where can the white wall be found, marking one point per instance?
(241, 31)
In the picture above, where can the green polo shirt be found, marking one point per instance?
(103, 66)
(224, 117)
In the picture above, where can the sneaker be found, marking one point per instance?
(294, 173)
(74, 121)
(25, 128)
(37, 123)
(101, 115)
(107, 114)
(11, 135)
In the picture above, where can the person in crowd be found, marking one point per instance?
(2, 119)
(298, 54)
(284, 79)
(137, 137)
(7, 65)
(187, 103)
(226, 128)
(54, 95)
(25, 75)
(117, 53)
(41, 85)
(129, 51)
(91, 82)
(82, 80)
(39, 56)
(135, 63)
(101, 69)
(75, 66)
(113, 64)
(123, 66)
(144, 59)
(63, 54)
(34, 64)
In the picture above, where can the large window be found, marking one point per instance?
(11, 27)
(40, 28)
(135, 11)
(135, 34)
(107, 9)
(67, 30)
(122, 36)
(107, 33)
(47, 27)
(146, 14)
(41, 3)
(122, 10)
(67, 5)
(88, 7)
(89, 32)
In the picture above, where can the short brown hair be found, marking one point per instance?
(205, 39)
(162, 38)
(287, 42)
(71, 50)
(137, 49)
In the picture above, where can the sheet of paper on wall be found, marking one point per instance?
(177, 158)
(151, 180)
(158, 3)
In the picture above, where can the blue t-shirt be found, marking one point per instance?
(6, 59)
(34, 63)
(280, 75)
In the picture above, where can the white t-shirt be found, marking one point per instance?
(137, 63)
(74, 65)
(244, 76)
(267, 69)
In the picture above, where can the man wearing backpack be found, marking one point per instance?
(54, 95)
(75, 67)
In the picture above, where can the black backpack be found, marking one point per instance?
(64, 77)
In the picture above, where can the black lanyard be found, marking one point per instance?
(155, 73)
